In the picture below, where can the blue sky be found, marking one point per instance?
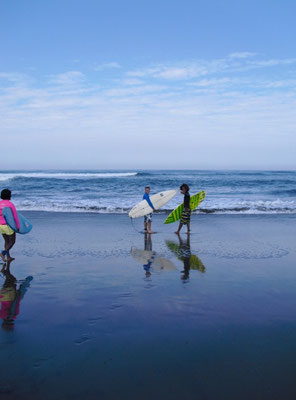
(138, 84)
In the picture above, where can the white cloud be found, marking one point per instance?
(109, 65)
(217, 82)
(180, 73)
(273, 62)
(67, 78)
(132, 81)
(12, 77)
(171, 72)
(236, 62)
(208, 103)
(243, 54)
(288, 83)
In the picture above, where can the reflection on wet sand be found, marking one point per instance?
(150, 259)
(10, 296)
(183, 252)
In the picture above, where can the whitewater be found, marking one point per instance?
(110, 191)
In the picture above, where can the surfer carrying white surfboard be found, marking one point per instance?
(7, 233)
(148, 217)
(186, 213)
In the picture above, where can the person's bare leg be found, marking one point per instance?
(180, 227)
(8, 245)
(149, 228)
(3, 255)
(188, 228)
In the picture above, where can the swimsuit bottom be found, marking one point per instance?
(185, 216)
(6, 230)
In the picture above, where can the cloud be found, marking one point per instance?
(216, 82)
(109, 65)
(236, 62)
(12, 77)
(273, 62)
(67, 78)
(132, 81)
(244, 54)
(171, 72)
(210, 103)
(134, 90)
(288, 83)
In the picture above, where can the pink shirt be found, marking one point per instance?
(8, 203)
(6, 307)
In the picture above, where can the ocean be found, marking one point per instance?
(92, 309)
(106, 191)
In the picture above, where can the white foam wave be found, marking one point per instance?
(119, 209)
(123, 202)
(65, 175)
(225, 206)
(73, 209)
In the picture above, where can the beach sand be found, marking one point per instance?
(113, 314)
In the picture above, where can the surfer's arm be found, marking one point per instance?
(14, 213)
(147, 198)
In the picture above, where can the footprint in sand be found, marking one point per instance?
(83, 339)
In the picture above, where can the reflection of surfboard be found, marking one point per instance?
(143, 256)
(195, 263)
(158, 200)
(146, 256)
(160, 264)
(7, 294)
(195, 200)
(183, 252)
(25, 225)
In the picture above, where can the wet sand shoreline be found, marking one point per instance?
(111, 313)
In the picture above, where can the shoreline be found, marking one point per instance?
(24, 211)
(156, 315)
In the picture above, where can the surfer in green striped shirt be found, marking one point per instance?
(186, 213)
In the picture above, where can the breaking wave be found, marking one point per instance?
(65, 175)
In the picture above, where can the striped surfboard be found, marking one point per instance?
(195, 200)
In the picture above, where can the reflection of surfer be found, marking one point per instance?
(150, 260)
(183, 252)
(11, 296)
(148, 247)
(148, 217)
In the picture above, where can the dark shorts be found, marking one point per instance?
(148, 218)
(185, 216)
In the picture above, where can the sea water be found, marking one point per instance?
(118, 191)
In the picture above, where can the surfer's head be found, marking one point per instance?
(184, 188)
(6, 194)
(147, 189)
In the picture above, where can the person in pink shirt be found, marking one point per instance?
(11, 296)
(7, 233)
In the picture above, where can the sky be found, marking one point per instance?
(147, 84)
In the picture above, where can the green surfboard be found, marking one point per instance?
(195, 200)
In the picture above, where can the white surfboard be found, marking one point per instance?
(158, 200)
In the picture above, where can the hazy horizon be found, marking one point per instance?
(24, 170)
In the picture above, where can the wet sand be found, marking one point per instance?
(115, 314)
